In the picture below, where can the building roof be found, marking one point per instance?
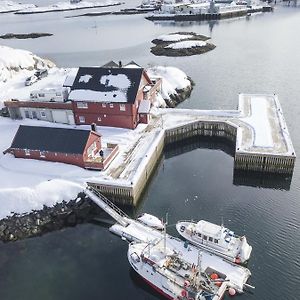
(97, 84)
(110, 64)
(51, 139)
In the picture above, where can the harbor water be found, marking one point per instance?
(195, 180)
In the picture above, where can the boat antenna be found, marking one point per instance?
(222, 222)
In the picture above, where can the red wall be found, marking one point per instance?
(73, 159)
(114, 117)
(92, 138)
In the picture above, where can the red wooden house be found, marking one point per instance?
(77, 147)
(111, 96)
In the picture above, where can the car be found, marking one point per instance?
(31, 80)
(41, 73)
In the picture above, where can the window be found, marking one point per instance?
(58, 94)
(99, 119)
(81, 119)
(104, 116)
(210, 239)
(42, 95)
(103, 104)
(34, 115)
(122, 107)
(199, 234)
(204, 237)
(27, 152)
(27, 114)
(216, 241)
(82, 105)
(42, 154)
(43, 114)
(111, 105)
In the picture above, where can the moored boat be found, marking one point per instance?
(173, 277)
(216, 239)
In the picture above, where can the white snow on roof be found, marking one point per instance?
(259, 121)
(144, 107)
(71, 77)
(96, 96)
(208, 228)
(174, 37)
(119, 81)
(85, 78)
(186, 44)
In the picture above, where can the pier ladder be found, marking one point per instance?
(114, 211)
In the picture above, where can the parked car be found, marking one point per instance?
(41, 73)
(31, 80)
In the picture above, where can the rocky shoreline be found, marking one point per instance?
(36, 223)
(162, 47)
(181, 95)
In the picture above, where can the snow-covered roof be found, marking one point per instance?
(106, 84)
(208, 228)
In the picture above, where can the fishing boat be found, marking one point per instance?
(172, 276)
(216, 239)
(151, 221)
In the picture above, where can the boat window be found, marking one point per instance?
(216, 241)
(205, 237)
(210, 239)
(199, 234)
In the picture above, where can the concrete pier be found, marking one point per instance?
(257, 128)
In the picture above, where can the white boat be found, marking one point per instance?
(172, 276)
(216, 239)
(151, 221)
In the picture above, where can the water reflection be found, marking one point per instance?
(240, 178)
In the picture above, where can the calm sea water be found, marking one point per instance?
(259, 54)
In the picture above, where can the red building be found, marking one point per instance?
(77, 147)
(112, 96)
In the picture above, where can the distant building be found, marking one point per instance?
(71, 146)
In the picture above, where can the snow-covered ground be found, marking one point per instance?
(63, 6)
(11, 6)
(27, 184)
(186, 44)
(17, 61)
(174, 37)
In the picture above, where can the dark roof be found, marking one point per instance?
(93, 83)
(51, 139)
(110, 64)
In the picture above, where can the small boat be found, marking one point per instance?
(169, 274)
(151, 221)
(216, 239)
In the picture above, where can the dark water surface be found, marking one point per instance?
(259, 54)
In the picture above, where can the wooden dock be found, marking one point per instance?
(257, 129)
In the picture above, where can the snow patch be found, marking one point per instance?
(174, 37)
(186, 45)
(25, 199)
(85, 78)
(119, 81)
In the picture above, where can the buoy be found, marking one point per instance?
(214, 276)
(186, 283)
(237, 260)
(231, 292)
(183, 293)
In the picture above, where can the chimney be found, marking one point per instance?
(120, 64)
(94, 127)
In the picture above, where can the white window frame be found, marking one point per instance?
(81, 119)
(43, 114)
(27, 152)
(42, 153)
(103, 104)
(111, 105)
(99, 119)
(122, 107)
(82, 105)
